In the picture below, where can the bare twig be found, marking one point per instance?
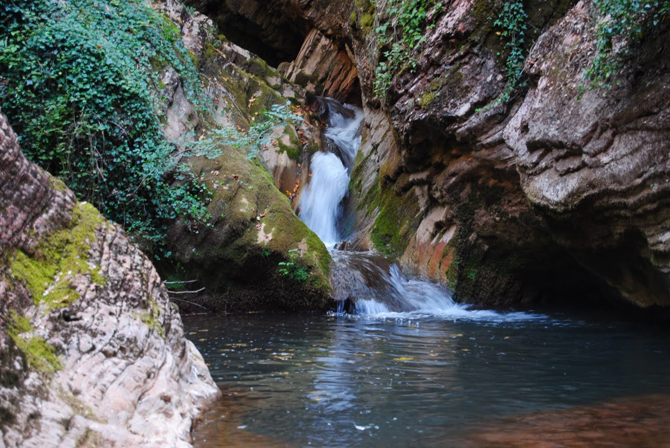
(179, 282)
(187, 292)
(191, 303)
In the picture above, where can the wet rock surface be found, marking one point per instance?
(93, 355)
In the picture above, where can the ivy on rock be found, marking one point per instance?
(79, 85)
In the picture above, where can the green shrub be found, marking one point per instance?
(292, 269)
(79, 87)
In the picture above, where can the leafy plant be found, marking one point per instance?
(255, 138)
(407, 22)
(79, 85)
(513, 22)
(622, 22)
(292, 269)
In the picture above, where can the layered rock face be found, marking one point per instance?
(558, 193)
(92, 353)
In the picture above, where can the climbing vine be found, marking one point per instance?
(404, 29)
(512, 22)
(621, 24)
(78, 82)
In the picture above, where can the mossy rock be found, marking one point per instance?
(47, 272)
(253, 227)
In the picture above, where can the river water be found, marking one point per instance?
(406, 366)
(406, 379)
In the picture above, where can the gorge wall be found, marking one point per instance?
(92, 353)
(558, 194)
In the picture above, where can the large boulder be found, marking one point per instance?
(91, 350)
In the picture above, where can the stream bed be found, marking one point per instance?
(476, 379)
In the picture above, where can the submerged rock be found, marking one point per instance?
(91, 351)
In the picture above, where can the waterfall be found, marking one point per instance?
(321, 204)
(366, 283)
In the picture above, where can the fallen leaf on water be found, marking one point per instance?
(403, 358)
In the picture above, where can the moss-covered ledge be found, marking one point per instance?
(237, 257)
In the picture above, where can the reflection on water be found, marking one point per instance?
(341, 381)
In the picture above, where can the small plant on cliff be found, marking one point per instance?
(79, 85)
(254, 139)
(292, 269)
(621, 24)
(404, 28)
(512, 22)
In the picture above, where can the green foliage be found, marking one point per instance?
(79, 86)
(621, 21)
(404, 30)
(254, 139)
(513, 23)
(292, 269)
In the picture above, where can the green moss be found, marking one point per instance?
(210, 50)
(194, 59)
(57, 184)
(90, 439)
(80, 408)
(258, 67)
(366, 21)
(40, 355)
(59, 257)
(397, 218)
(427, 99)
(294, 150)
(242, 267)
(151, 317)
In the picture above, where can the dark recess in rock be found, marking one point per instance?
(261, 27)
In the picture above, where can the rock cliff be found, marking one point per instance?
(91, 351)
(556, 193)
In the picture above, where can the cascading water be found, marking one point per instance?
(321, 204)
(365, 283)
